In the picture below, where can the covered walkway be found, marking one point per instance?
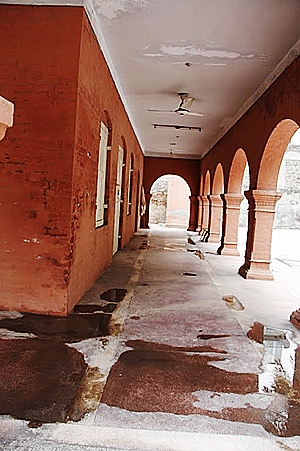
(175, 369)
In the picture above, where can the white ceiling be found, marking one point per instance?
(232, 46)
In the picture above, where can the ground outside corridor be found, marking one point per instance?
(169, 350)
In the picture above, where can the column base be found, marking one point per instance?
(256, 271)
(213, 238)
(229, 249)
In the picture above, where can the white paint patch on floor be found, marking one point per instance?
(216, 401)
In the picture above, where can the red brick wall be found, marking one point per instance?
(52, 69)
(97, 98)
(38, 72)
(187, 169)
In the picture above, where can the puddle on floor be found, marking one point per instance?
(92, 308)
(209, 337)
(70, 329)
(187, 382)
(114, 295)
(38, 379)
(193, 274)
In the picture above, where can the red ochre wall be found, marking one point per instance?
(97, 99)
(279, 102)
(189, 170)
(52, 69)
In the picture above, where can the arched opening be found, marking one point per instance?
(243, 216)
(169, 204)
(218, 181)
(216, 205)
(285, 246)
(263, 201)
(206, 190)
(205, 207)
(235, 211)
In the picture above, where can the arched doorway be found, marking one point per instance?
(216, 205)
(169, 204)
(235, 217)
(205, 207)
(262, 202)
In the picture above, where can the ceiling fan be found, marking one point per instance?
(184, 106)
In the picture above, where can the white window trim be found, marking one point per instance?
(100, 197)
(129, 189)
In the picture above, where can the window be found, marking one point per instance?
(100, 199)
(129, 189)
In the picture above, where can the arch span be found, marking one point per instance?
(262, 203)
(206, 189)
(170, 204)
(218, 180)
(236, 172)
(233, 199)
(273, 154)
(189, 170)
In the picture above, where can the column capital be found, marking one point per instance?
(215, 200)
(264, 200)
(232, 200)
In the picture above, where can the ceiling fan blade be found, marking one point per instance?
(191, 113)
(186, 102)
(161, 111)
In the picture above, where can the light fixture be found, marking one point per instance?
(177, 127)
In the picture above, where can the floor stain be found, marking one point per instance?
(39, 379)
(92, 308)
(190, 241)
(154, 377)
(200, 254)
(70, 329)
(209, 337)
(233, 302)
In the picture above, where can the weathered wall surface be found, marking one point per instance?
(39, 75)
(98, 100)
(251, 132)
(53, 71)
(187, 169)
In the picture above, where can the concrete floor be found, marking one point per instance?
(177, 370)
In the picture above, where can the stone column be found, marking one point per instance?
(259, 240)
(145, 217)
(193, 213)
(216, 208)
(205, 218)
(200, 213)
(232, 213)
